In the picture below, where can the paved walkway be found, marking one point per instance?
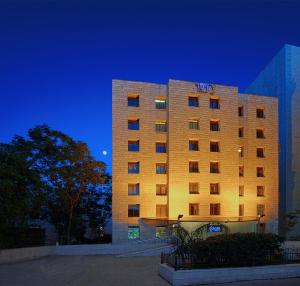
(98, 271)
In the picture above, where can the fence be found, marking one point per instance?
(190, 261)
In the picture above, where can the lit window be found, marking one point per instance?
(260, 113)
(214, 125)
(214, 146)
(133, 124)
(241, 151)
(161, 189)
(160, 232)
(133, 232)
(133, 189)
(260, 152)
(260, 210)
(241, 210)
(133, 100)
(161, 126)
(193, 101)
(160, 103)
(260, 172)
(161, 168)
(241, 171)
(193, 124)
(133, 210)
(241, 111)
(194, 209)
(161, 211)
(214, 167)
(161, 147)
(193, 145)
(133, 145)
(241, 132)
(193, 167)
(260, 133)
(215, 209)
(133, 167)
(260, 191)
(193, 188)
(214, 103)
(241, 191)
(214, 189)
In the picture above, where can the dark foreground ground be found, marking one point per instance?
(97, 270)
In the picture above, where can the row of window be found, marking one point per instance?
(162, 189)
(193, 101)
(215, 209)
(161, 168)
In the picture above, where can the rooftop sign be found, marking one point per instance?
(205, 87)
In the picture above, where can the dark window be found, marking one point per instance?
(241, 132)
(260, 113)
(260, 210)
(161, 147)
(241, 210)
(133, 124)
(193, 101)
(241, 171)
(214, 189)
(133, 100)
(193, 124)
(193, 167)
(161, 211)
(214, 103)
(214, 125)
(260, 172)
(241, 191)
(133, 167)
(260, 191)
(193, 188)
(194, 209)
(160, 126)
(214, 146)
(133, 210)
(133, 145)
(215, 209)
(260, 134)
(133, 189)
(160, 104)
(161, 190)
(260, 152)
(214, 167)
(161, 168)
(241, 111)
(193, 145)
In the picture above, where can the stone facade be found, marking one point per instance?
(226, 203)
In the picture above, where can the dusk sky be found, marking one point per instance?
(58, 58)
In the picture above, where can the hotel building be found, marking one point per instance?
(203, 151)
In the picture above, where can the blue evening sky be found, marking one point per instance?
(57, 58)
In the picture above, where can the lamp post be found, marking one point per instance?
(178, 225)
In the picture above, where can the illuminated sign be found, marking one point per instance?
(214, 228)
(205, 87)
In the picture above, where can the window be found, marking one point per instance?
(161, 211)
(241, 132)
(133, 232)
(241, 191)
(160, 104)
(214, 167)
(215, 189)
(260, 152)
(241, 151)
(194, 209)
(160, 231)
(161, 147)
(161, 168)
(193, 167)
(260, 172)
(193, 101)
(161, 126)
(133, 145)
(260, 191)
(260, 210)
(133, 189)
(215, 209)
(214, 146)
(133, 124)
(133, 100)
(260, 133)
(133, 210)
(241, 111)
(161, 189)
(214, 125)
(193, 188)
(241, 171)
(241, 210)
(133, 167)
(193, 124)
(193, 145)
(214, 103)
(260, 113)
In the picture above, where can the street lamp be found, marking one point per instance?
(178, 225)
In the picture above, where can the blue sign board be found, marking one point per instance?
(205, 87)
(214, 228)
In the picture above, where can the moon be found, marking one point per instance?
(104, 152)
